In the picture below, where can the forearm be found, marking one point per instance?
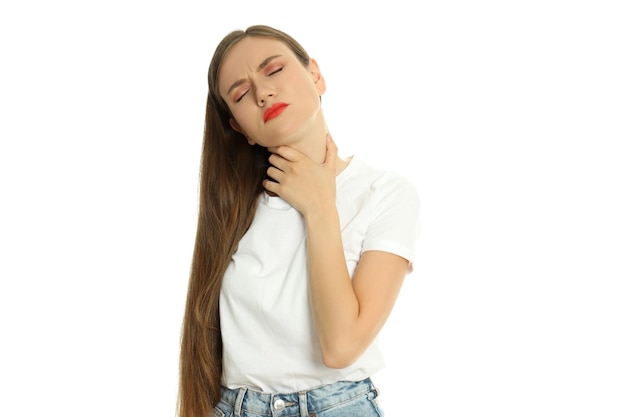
(333, 300)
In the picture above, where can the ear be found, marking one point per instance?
(320, 83)
(237, 128)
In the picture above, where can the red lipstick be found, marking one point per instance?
(274, 111)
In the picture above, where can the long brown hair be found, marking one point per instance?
(231, 176)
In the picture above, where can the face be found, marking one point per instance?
(273, 98)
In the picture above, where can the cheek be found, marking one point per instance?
(239, 116)
(245, 122)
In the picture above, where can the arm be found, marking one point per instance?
(348, 313)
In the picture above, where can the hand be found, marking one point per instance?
(308, 186)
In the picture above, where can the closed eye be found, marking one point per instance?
(269, 73)
(275, 70)
(238, 99)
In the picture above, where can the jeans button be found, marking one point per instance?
(279, 404)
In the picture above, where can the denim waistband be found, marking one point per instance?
(296, 403)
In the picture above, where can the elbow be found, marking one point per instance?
(337, 362)
(339, 358)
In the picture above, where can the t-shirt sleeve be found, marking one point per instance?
(395, 222)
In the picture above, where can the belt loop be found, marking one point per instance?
(374, 389)
(304, 411)
(239, 401)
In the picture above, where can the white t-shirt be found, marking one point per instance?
(269, 340)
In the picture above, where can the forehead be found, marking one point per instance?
(247, 54)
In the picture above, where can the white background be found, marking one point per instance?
(508, 115)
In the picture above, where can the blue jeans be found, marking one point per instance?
(341, 399)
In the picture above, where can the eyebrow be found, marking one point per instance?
(262, 65)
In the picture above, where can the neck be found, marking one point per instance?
(313, 143)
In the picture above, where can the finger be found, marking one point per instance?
(275, 173)
(331, 152)
(278, 161)
(271, 186)
(287, 152)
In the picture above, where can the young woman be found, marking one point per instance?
(299, 254)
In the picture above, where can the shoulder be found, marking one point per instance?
(385, 183)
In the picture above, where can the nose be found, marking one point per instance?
(264, 93)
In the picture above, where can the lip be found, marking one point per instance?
(274, 111)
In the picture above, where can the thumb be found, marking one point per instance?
(331, 152)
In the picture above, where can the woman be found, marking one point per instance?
(299, 254)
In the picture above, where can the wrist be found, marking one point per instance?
(321, 217)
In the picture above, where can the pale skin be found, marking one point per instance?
(348, 312)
